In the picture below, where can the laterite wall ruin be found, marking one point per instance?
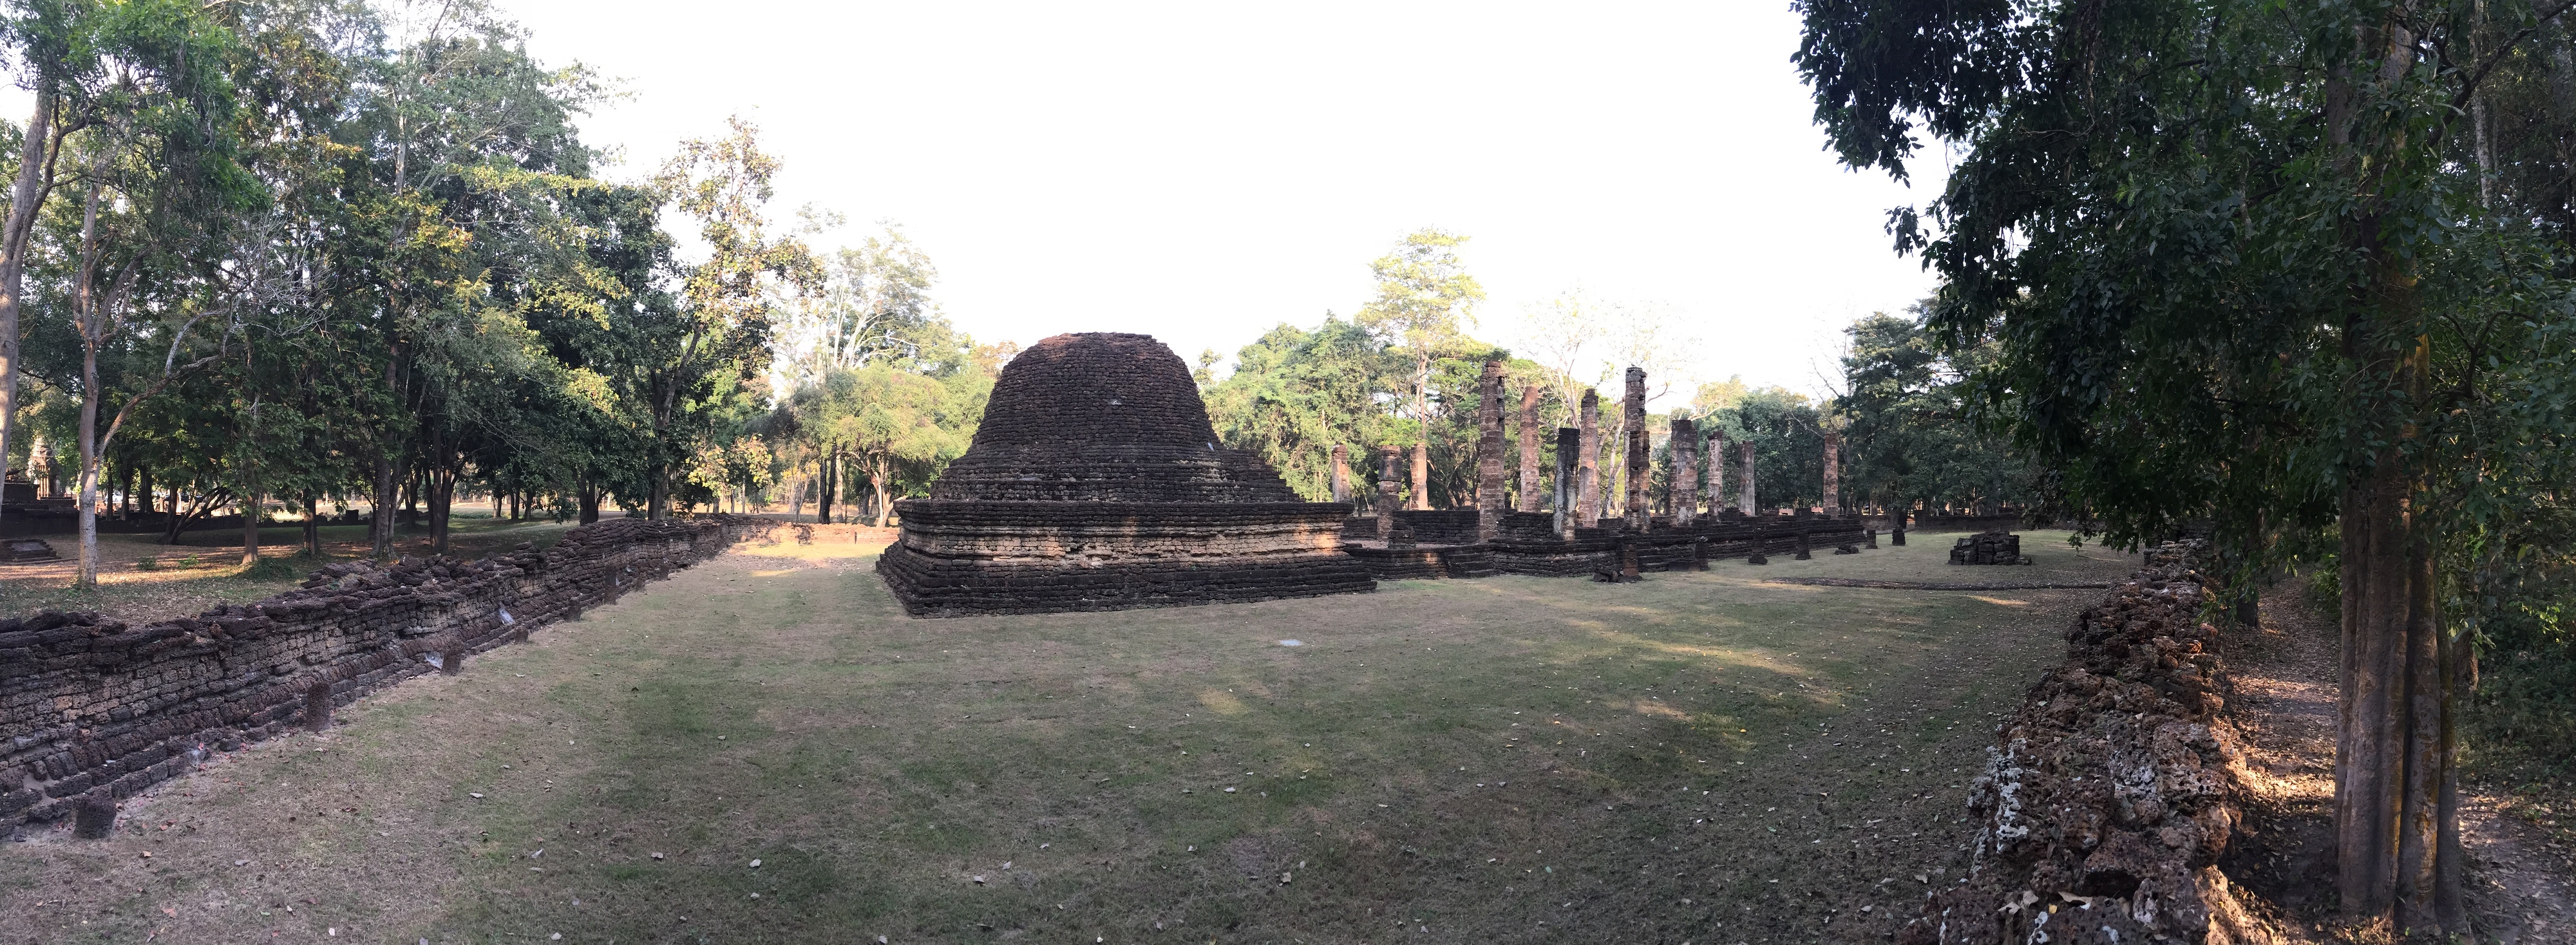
(2110, 794)
(92, 704)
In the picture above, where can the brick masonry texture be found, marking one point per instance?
(1095, 483)
(90, 705)
(2112, 791)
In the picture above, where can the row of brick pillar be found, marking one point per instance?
(1577, 490)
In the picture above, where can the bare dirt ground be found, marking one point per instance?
(763, 748)
(2521, 889)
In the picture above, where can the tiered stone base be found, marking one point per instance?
(1527, 542)
(985, 557)
(1422, 562)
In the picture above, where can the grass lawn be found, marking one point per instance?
(1698, 757)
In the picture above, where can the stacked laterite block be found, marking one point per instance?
(91, 706)
(1095, 482)
(1988, 548)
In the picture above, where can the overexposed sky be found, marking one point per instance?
(1202, 172)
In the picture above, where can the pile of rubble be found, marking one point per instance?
(2109, 795)
(1988, 548)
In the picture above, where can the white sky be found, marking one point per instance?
(1204, 171)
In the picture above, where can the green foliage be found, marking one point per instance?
(1908, 437)
(2287, 268)
(1295, 394)
(1788, 437)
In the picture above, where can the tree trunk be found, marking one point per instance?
(126, 511)
(143, 492)
(442, 503)
(877, 474)
(312, 526)
(25, 200)
(658, 505)
(381, 530)
(88, 576)
(250, 524)
(2396, 818)
(413, 493)
(831, 482)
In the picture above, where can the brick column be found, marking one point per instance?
(1341, 473)
(1387, 484)
(1716, 484)
(1633, 411)
(1745, 496)
(1569, 443)
(1685, 470)
(1833, 473)
(1529, 448)
(1587, 462)
(1489, 452)
(1421, 477)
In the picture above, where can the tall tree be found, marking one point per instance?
(1425, 300)
(724, 186)
(2239, 261)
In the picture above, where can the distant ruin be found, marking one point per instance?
(1573, 536)
(1095, 482)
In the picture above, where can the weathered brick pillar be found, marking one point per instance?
(1386, 491)
(1745, 496)
(1489, 452)
(1716, 484)
(1529, 448)
(1833, 473)
(1341, 473)
(1569, 442)
(1633, 411)
(1685, 470)
(1587, 462)
(1421, 477)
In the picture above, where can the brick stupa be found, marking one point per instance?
(1095, 483)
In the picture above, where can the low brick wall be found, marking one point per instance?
(2109, 795)
(91, 704)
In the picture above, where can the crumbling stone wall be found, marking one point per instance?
(2108, 797)
(91, 705)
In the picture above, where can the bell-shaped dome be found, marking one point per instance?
(1102, 417)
